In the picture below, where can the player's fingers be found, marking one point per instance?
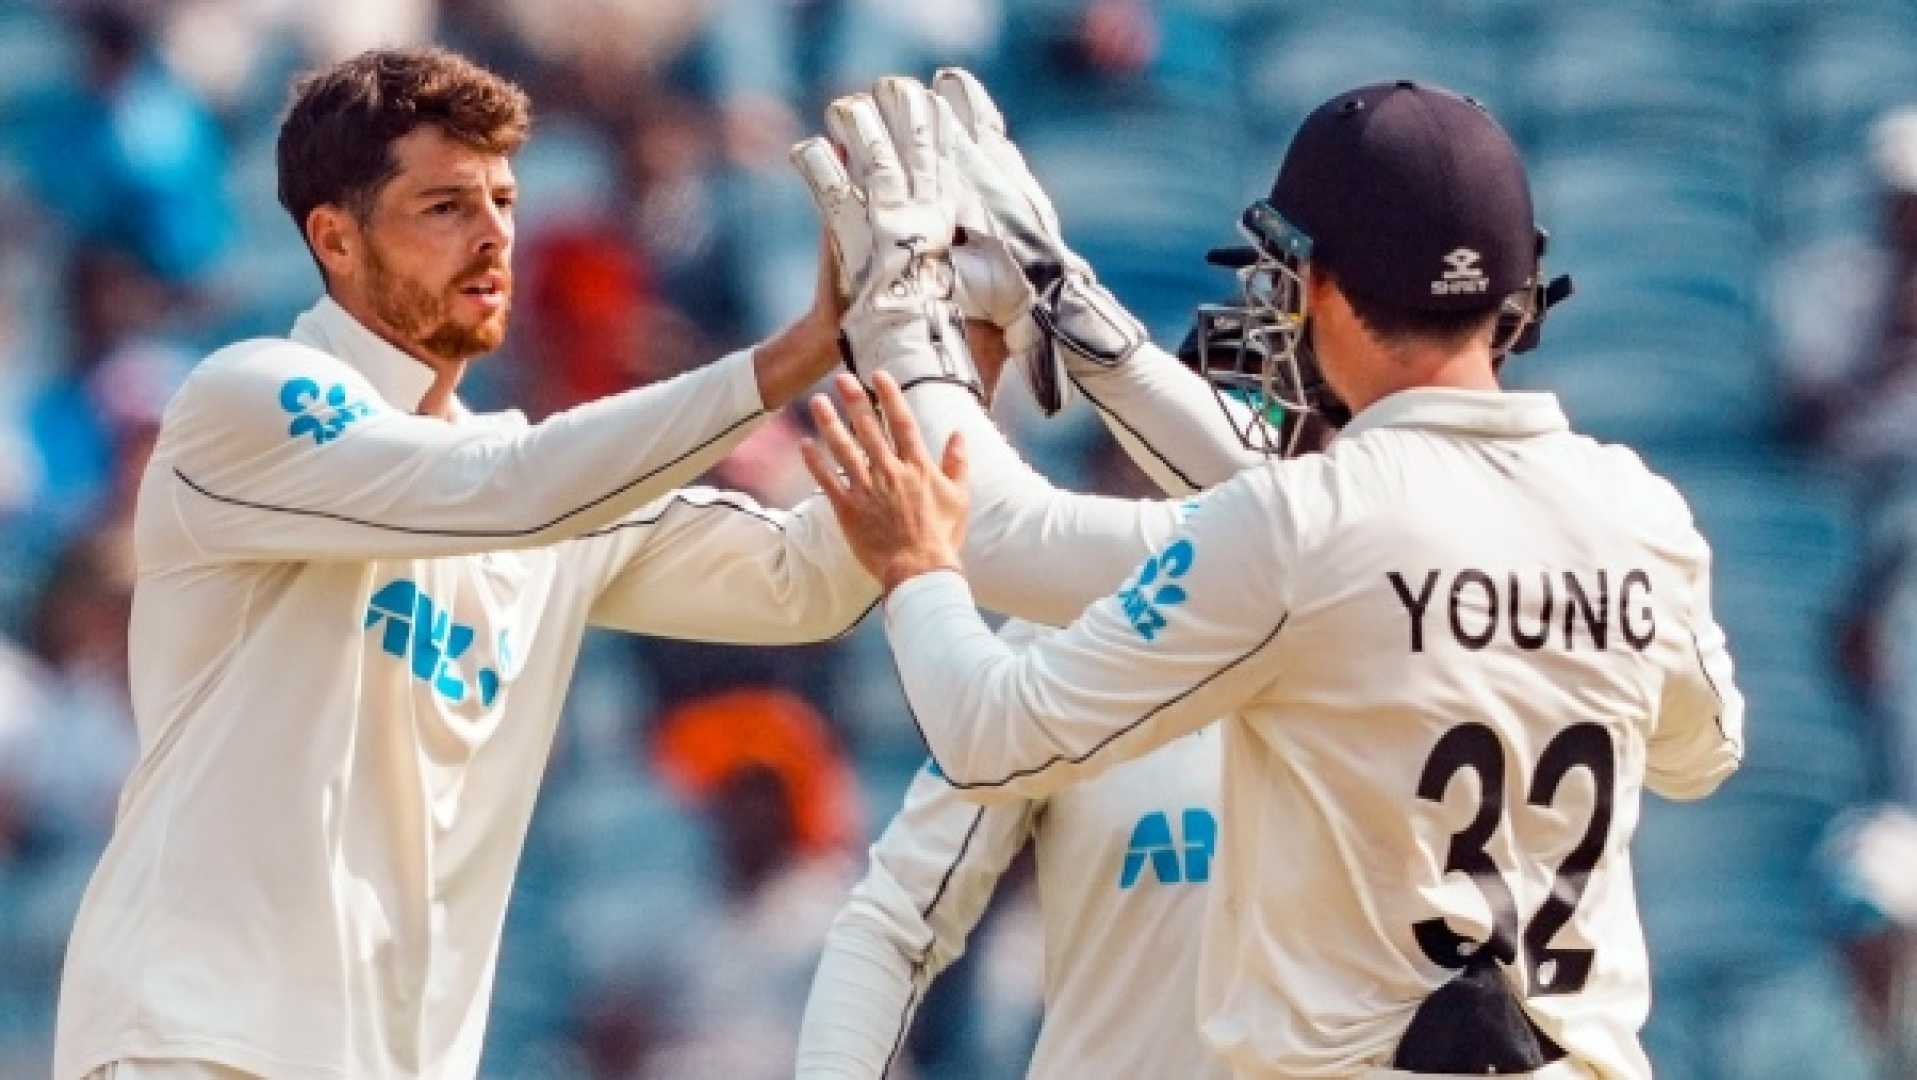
(845, 451)
(967, 96)
(906, 106)
(831, 483)
(857, 127)
(865, 425)
(899, 420)
(953, 463)
(824, 174)
(839, 203)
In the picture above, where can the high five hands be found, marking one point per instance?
(902, 513)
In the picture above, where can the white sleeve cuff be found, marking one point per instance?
(742, 373)
(920, 598)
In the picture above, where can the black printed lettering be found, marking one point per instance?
(1531, 642)
(1597, 621)
(1490, 630)
(1415, 607)
(1643, 580)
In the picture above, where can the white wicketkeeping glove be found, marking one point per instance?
(890, 221)
(1013, 266)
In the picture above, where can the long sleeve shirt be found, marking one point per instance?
(1450, 653)
(352, 632)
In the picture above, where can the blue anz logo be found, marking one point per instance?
(419, 631)
(323, 417)
(1171, 861)
(1145, 601)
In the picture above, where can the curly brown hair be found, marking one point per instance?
(335, 142)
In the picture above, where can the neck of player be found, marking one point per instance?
(1379, 373)
(437, 401)
(1364, 368)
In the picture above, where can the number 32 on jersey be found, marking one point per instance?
(1476, 747)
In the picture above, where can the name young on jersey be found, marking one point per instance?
(1577, 609)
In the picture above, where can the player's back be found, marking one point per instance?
(1497, 632)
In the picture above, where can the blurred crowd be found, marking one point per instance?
(1733, 182)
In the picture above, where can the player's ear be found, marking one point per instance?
(333, 233)
(1317, 283)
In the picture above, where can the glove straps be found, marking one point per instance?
(930, 349)
(1085, 324)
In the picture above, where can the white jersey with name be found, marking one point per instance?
(1124, 866)
(1451, 652)
(353, 628)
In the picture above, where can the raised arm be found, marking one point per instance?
(1034, 552)
(1170, 423)
(1181, 643)
(274, 450)
(1031, 549)
(932, 873)
(277, 451)
(707, 565)
(1063, 328)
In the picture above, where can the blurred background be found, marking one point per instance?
(1731, 183)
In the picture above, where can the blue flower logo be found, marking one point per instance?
(1145, 600)
(322, 415)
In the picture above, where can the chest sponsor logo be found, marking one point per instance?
(1146, 600)
(1182, 859)
(321, 414)
(417, 630)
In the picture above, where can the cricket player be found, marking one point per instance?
(359, 604)
(1451, 651)
(1123, 862)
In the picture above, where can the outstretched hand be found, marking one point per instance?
(902, 513)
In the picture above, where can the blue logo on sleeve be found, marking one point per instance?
(1145, 601)
(323, 416)
(1171, 862)
(418, 631)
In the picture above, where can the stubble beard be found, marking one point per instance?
(418, 315)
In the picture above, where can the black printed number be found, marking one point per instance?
(1476, 747)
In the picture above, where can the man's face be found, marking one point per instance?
(434, 264)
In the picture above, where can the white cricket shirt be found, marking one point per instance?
(1451, 650)
(1125, 863)
(352, 631)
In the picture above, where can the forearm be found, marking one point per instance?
(1001, 724)
(861, 1003)
(1033, 550)
(709, 565)
(1181, 641)
(932, 873)
(1170, 422)
(789, 362)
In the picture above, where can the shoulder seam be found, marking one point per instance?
(412, 530)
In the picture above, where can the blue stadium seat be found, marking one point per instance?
(1728, 878)
(1843, 65)
(1133, 205)
(1293, 60)
(1590, 62)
